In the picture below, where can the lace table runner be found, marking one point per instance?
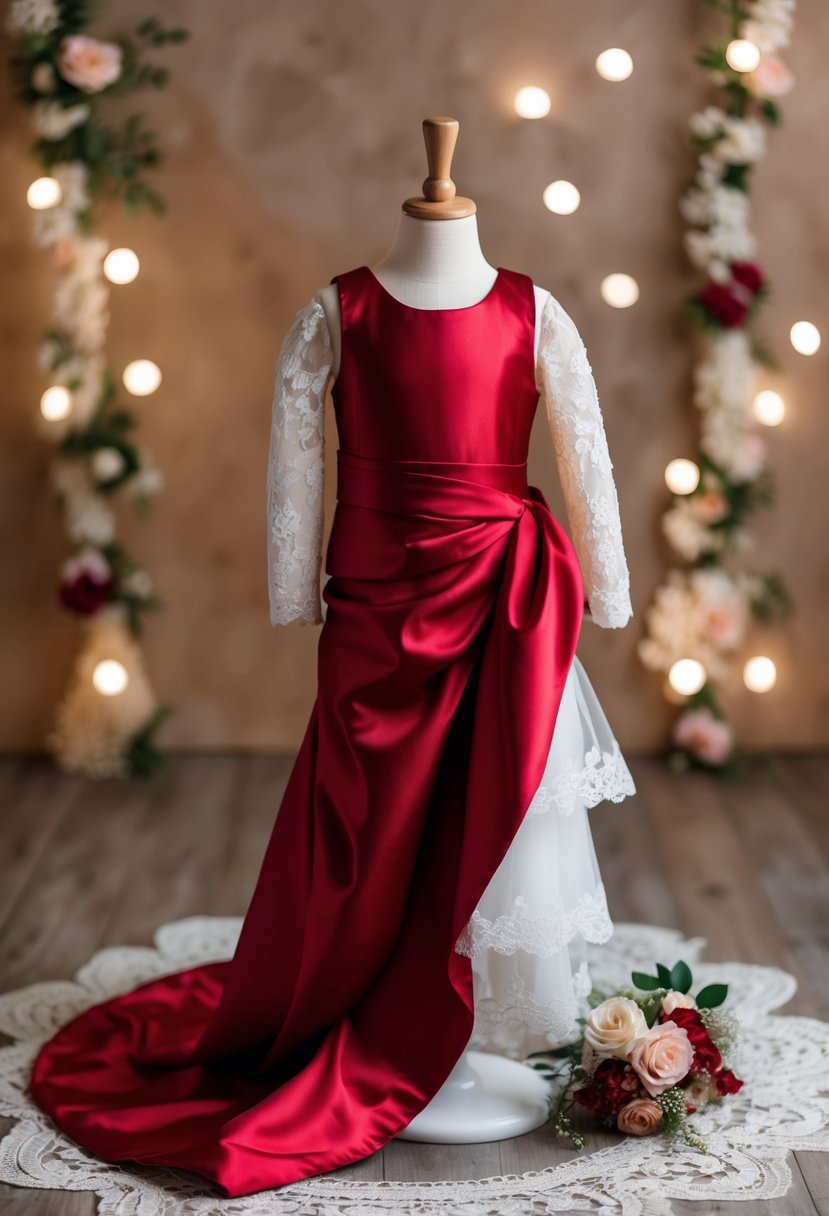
(784, 1105)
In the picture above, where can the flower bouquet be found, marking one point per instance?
(646, 1057)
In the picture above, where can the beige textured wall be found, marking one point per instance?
(293, 135)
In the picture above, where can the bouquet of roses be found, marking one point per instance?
(646, 1057)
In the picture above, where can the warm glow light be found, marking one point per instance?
(687, 676)
(561, 197)
(110, 677)
(56, 403)
(44, 192)
(742, 55)
(759, 674)
(769, 407)
(121, 265)
(614, 64)
(142, 377)
(682, 476)
(532, 102)
(805, 337)
(620, 290)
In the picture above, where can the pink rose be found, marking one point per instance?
(641, 1117)
(705, 736)
(662, 1057)
(771, 77)
(89, 64)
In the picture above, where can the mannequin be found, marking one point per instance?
(436, 261)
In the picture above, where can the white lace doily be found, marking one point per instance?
(783, 1105)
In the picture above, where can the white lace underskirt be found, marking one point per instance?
(528, 936)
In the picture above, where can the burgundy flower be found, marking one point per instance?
(85, 594)
(720, 302)
(610, 1088)
(727, 1083)
(707, 1056)
(749, 275)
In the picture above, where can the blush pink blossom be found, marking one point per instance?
(88, 63)
(707, 737)
(771, 77)
(662, 1057)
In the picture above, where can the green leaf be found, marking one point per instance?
(770, 111)
(681, 978)
(664, 975)
(648, 982)
(711, 996)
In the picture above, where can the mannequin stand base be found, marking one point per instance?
(485, 1097)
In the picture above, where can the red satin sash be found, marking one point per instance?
(453, 611)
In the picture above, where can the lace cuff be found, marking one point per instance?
(565, 379)
(296, 469)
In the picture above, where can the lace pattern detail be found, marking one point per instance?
(565, 379)
(542, 936)
(522, 1013)
(784, 1105)
(605, 776)
(296, 469)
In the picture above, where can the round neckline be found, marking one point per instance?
(413, 308)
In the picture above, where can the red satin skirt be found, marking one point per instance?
(453, 612)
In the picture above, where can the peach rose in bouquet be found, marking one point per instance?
(662, 1057)
(88, 63)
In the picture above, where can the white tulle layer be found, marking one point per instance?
(528, 936)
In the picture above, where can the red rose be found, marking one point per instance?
(727, 1083)
(749, 275)
(720, 302)
(706, 1053)
(610, 1088)
(85, 594)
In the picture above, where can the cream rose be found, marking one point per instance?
(771, 78)
(662, 1056)
(88, 63)
(677, 1000)
(614, 1026)
(641, 1117)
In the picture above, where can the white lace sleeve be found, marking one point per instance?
(296, 469)
(565, 379)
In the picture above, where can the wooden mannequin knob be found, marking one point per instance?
(439, 201)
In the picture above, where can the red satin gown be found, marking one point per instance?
(453, 611)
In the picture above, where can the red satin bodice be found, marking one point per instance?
(449, 384)
(453, 611)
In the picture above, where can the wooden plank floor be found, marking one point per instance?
(742, 864)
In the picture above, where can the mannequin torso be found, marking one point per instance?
(431, 264)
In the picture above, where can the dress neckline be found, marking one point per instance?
(462, 308)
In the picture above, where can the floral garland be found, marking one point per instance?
(646, 1058)
(704, 613)
(106, 724)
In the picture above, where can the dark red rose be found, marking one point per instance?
(85, 594)
(720, 302)
(749, 275)
(727, 1083)
(610, 1088)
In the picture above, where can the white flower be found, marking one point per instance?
(744, 141)
(148, 480)
(32, 17)
(687, 534)
(89, 519)
(107, 464)
(614, 1026)
(73, 176)
(769, 24)
(53, 121)
(139, 584)
(677, 1000)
